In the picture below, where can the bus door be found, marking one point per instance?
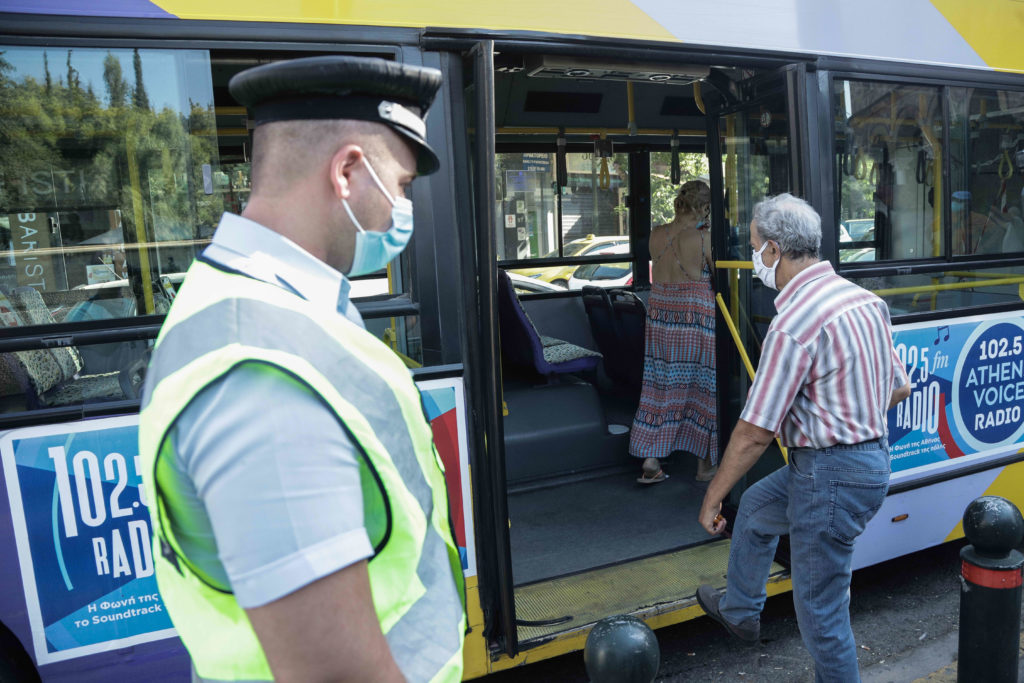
(755, 147)
(481, 343)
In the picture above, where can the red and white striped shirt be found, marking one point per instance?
(828, 366)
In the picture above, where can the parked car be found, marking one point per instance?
(856, 255)
(603, 274)
(529, 285)
(857, 230)
(584, 246)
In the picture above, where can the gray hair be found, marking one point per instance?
(791, 222)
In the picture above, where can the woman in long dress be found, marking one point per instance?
(678, 402)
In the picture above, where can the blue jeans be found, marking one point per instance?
(822, 499)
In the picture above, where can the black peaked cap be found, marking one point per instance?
(337, 87)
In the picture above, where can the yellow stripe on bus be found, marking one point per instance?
(618, 18)
(992, 28)
(1009, 484)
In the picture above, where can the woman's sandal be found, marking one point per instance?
(652, 472)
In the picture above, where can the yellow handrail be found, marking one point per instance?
(743, 355)
(920, 289)
(748, 265)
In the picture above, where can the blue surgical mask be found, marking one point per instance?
(763, 272)
(374, 250)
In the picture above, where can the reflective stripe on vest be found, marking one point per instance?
(426, 639)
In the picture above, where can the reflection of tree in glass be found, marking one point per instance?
(65, 148)
(663, 192)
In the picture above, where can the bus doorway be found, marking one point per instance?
(755, 141)
(588, 157)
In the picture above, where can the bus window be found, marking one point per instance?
(110, 177)
(888, 170)
(954, 289)
(588, 218)
(663, 191)
(986, 164)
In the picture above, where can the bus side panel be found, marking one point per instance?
(445, 407)
(75, 543)
(967, 394)
(919, 518)
(965, 409)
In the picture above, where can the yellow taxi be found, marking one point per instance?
(583, 246)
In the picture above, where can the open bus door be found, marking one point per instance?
(757, 147)
(562, 525)
(479, 266)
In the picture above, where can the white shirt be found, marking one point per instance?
(270, 479)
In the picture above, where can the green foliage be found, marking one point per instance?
(663, 192)
(66, 149)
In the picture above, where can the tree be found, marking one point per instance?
(663, 192)
(46, 69)
(139, 97)
(72, 75)
(117, 88)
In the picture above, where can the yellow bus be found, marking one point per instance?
(559, 124)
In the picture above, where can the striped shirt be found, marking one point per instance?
(828, 366)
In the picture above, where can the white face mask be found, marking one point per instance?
(763, 272)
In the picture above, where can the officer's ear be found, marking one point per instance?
(343, 163)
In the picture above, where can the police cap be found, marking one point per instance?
(335, 87)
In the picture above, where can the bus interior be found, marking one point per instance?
(589, 156)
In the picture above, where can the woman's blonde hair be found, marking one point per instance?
(694, 197)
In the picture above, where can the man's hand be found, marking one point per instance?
(711, 517)
(746, 445)
(899, 394)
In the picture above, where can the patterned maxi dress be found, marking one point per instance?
(678, 401)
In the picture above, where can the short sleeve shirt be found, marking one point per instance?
(828, 366)
(270, 480)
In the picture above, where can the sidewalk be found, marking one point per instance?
(932, 663)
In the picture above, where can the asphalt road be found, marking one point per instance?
(905, 618)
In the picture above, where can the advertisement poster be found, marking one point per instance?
(83, 530)
(444, 406)
(83, 536)
(967, 391)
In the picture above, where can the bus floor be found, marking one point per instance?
(604, 519)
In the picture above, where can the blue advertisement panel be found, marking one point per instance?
(967, 390)
(83, 535)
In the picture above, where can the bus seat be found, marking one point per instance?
(34, 311)
(605, 329)
(523, 346)
(631, 319)
(51, 377)
(617, 319)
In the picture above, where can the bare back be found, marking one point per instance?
(678, 253)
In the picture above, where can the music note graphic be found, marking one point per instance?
(938, 333)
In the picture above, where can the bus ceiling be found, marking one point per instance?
(536, 95)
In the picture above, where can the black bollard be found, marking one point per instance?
(990, 592)
(621, 649)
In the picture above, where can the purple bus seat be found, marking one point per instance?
(522, 346)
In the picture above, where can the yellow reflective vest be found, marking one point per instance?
(221, 319)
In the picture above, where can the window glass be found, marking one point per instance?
(526, 213)
(986, 165)
(591, 210)
(951, 290)
(756, 165)
(663, 192)
(403, 334)
(888, 170)
(110, 181)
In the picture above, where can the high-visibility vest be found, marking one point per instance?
(221, 319)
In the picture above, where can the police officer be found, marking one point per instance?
(301, 517)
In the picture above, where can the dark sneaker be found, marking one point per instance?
(749, 631)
